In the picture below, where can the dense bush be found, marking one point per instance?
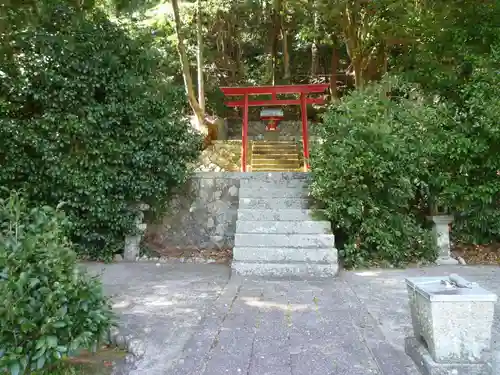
(89, 119)
(367, 170)
(470, 160)
(386, 162)
(49, 307)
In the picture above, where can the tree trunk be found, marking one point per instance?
(286, 54)
(314, 59)
(276, 20)
(199, 37)
(314, 45)
(353, 44)
(357, 65)
(186, 72)
(335, 67)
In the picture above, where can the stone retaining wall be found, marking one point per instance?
(202, 216)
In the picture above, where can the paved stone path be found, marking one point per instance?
(197, 321)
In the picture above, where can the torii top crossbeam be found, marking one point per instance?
(303, 101)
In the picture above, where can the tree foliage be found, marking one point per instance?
(469, 163)
(90, 119)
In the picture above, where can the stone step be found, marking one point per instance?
(283, 227)
(277, 177)
(273, 142)
(274, 184)
(275, 148)
(272, 168)
(300, 270)
(291, 166)
(276, 180)
(272, 192)
(275, 156)
(269, 169)
(266, 160)
(284, 255)
(284, 240)
(270, 148)
(278, 215)
(273, 203)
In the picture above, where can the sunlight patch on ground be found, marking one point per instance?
(273, 305)
(368, 273)
(121, 304)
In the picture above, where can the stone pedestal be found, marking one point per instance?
(416, 350)
(132, 242)
(272, 135)
(132, 247)
(452, 321)
(441, 234)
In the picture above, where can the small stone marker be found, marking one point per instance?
(452, 320)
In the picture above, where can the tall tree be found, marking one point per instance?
(186, 71)
(199, 38)
(284, 40)
(314, 44)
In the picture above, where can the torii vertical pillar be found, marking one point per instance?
(305, 137)
(244, 134)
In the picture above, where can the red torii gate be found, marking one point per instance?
(303, 101)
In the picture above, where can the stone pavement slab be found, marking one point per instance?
(202, 324)
(160, 305)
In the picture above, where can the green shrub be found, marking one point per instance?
(89, 119)
(374, 151)
(470, 155)
(49, 307)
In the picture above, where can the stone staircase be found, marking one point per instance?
(275, 156)
(275, 232)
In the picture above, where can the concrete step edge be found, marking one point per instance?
(296, 240)
(275, 170)
(275, 161)
(284, 262)
(270, 164)
(302, 270)
(276, 165)
(283, 227)
(284, 216)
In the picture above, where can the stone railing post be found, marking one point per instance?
(441, 234)
(133, 241)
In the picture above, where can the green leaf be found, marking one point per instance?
(40, 343)
(15, 369)
(51, 341)
(59, 324)
(40, 362)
